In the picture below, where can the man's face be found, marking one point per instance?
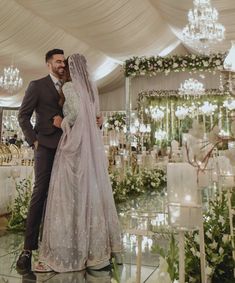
(56, 65)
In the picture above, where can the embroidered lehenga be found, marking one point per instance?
(81, 227)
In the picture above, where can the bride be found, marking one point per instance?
(81, 227)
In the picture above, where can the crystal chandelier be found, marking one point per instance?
(203, 30)
(191, 87)
(11, 82)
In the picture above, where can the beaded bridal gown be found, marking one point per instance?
(81, 227)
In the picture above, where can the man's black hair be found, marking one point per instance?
(52, 52)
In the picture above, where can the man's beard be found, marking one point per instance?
(58, 72)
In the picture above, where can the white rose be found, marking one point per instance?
(221, 250)
(217, 62)
(116, 123)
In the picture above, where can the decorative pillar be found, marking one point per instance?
(128, 114)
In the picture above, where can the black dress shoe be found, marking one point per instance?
(23, 264)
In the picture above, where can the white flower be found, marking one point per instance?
(213, 245)
(221, 250)
(137, 61)
(208, 270)
(217, 62)
(225, 238)
(209, 235)
(198, 254)
(221, 220)
(196, 238)
(162, 275)
(193, 251)
(175, 65)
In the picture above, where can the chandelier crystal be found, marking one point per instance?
(191, 87)
(203, 30)
(11, 82)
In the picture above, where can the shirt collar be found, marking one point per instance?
(54, 79)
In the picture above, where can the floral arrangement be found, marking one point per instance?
(20, 206)
(116, 122)
(141, 66)
(218, 245)
(218, 248)
(168, 270)
(135, 184)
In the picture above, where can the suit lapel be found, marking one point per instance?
(52, 87)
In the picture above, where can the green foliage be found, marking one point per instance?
(218, 245)
(137, 184)
(142, 66)
(116, 122)
(171, 256)
(20, 206)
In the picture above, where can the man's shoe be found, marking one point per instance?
(23, 264)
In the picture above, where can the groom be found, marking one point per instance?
(44, 96)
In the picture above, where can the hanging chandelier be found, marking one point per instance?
(191, 87)
(11, 82)
(203, 30)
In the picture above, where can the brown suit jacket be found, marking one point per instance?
(42, 97)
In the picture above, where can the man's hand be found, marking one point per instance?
(57, 120)
(35, 145)
(99, 120)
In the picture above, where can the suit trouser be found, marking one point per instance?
(43, 161)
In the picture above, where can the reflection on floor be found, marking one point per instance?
(11, 245)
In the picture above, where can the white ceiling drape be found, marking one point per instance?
(105, 31)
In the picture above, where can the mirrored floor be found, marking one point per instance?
(132, 219)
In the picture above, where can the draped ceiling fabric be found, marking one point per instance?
(106, 31)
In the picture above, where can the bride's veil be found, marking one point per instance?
(82, 80)
(80, 195)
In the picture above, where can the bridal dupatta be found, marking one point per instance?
(81, 226)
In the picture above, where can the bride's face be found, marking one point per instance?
(67, 75)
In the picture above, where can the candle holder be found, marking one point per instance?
(185, 210)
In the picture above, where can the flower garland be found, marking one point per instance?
(116, 122)
(175, 93)
(142, 66)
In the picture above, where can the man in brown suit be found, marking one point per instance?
(43, 96)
